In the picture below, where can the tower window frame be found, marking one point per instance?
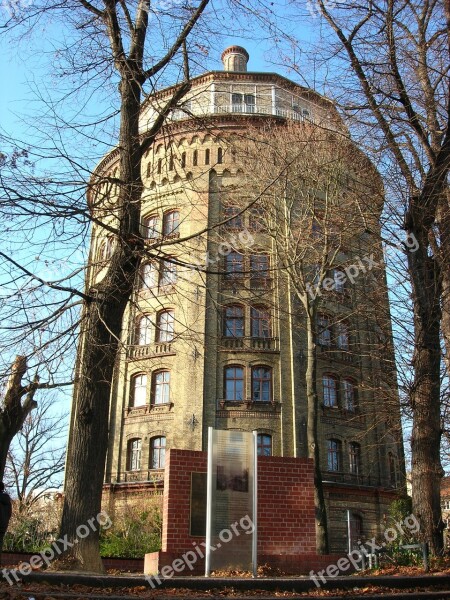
(334, 455)
(160, 387)
(234, 321)
(354, 458)
(150, 227)
(144, 330)
(171, 223)
(324, 330)
(349, 393)
(234, 383)
(262, 383)
(264, 444)
(158, 452)
(260, 322)
(138, 390)
(167, 275)
(134, 454)
(330, 390)
(165, 325)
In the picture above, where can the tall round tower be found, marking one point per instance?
(213, 335)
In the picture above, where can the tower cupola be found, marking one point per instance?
(235, 58)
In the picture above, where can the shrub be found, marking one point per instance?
(134, 535)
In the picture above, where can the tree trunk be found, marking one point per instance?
(425, 393)
(13, 412)
(444, 234)
(322, 545)
(102, 324)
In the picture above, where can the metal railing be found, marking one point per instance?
(245, 109)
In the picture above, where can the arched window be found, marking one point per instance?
(167, 274)
(354, 456)
(148, 276)
(144, 331)
(256, 219)
(171, 223)
(171, 163)
(106, 248)
(150, 227)
(334, 455)
(195, 158)
(234, 383)
(330, 390)
(323, 330)
(165, 326)
(219, 156)
(234, 219)
(261, 384)
(183, 160)
(207, 156)
(234, 321)
(159, 166)
(138, 396)
(349, 392)
(259, 267)
(134, 454)
(264, 444)
(342, 335)
(234, 265)
(260, 322)
(161, 387)
(157, 452)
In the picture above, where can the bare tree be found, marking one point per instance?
(36, 456)
(122, 36)
(387, 66)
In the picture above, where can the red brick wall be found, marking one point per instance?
(285, 506)
(285, 503)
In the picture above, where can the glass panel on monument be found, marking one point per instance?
(231, 489)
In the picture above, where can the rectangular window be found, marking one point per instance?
(134, 455)
(323, 331)
(260, 322)
(234, 321)
(167, 274)
(161, 387)
(233, 219)
(148, 276)
(334, 455)
(261, 384)
(234, 384)
(329, 390)
(171, 223)
(234, 265)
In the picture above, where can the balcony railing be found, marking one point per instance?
(145, 475)
(150, 350)
(250, 344)
(332, 352)
(246, 109)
